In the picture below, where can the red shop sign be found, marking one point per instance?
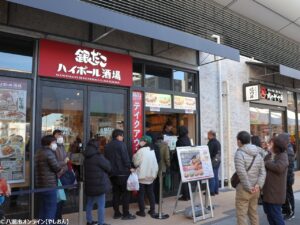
(72, 62)
(137, 119)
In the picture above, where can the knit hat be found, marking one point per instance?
(147, 139)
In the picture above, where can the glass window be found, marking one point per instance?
(15, 53)
(15, 128)
(158, 77)
(259, 122)
(104, 116)
(63, 109)
(184, 81)
(137, 75)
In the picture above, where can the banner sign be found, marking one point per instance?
(185, 103)
(72, 62)
(154, 100)
(137, 119)
(194, 163)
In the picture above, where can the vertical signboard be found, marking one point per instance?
(137, 119)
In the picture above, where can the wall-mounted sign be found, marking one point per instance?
(266, 95)
(137, 119)
(185, 103)
(252, 92)
(72, 62)
(154, 100)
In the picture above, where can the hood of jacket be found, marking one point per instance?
(91, 150)
(250, 149)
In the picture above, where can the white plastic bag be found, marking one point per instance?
(133, 182)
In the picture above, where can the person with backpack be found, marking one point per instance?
(251, 172)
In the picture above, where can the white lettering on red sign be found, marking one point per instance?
(137, 121)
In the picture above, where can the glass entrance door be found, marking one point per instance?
(276, 122)
(106, 113)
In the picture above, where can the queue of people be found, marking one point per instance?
(267, 173)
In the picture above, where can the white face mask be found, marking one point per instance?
(60, 140)
(53, 146)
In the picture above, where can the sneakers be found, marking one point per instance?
(128, 217)
(182, 198)
(150, 212)
(289, 216)
(117, 216)
(141, 214)
(92, 223)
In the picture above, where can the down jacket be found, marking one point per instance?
(145, 162)
(96, 169)
(46, 168)
(242, 160)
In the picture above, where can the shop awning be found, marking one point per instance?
(281, 69)
(105, 17)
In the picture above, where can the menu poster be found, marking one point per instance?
(154, 100)
(171, 140)
(194, 163)
(12, 129)
(185, 103)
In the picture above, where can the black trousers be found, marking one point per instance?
(185, 190)
(120, 194)
(289, 205)
(148, 190)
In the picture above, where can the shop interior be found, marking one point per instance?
(157, 120)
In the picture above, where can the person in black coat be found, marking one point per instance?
(214, 147)
(116, 152)
(183, 140)
(96, 181)
(46, 168)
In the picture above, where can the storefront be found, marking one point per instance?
(86, 93)
(273, 110)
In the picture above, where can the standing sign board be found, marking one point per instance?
(194, 163)
(72, 62)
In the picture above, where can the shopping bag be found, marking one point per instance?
(61, 195)
(133, 182)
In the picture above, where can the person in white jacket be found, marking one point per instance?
(146, 166)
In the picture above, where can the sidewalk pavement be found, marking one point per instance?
(224, 212)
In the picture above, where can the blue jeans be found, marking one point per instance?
(100, 201)
(47, 205)
(214, 182)
(274, 214)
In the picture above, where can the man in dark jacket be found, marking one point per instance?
(215, 156)
(289, 207)
(46, 168)
(96, 169)
(116, 152)
(183, 140)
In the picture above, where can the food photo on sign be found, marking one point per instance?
(194, 163)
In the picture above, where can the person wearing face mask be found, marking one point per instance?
(62, 158)
(146, 168)
(46, 169)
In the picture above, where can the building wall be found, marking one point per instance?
(235, 74)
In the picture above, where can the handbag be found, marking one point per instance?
(235, 180)
(68, 178)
